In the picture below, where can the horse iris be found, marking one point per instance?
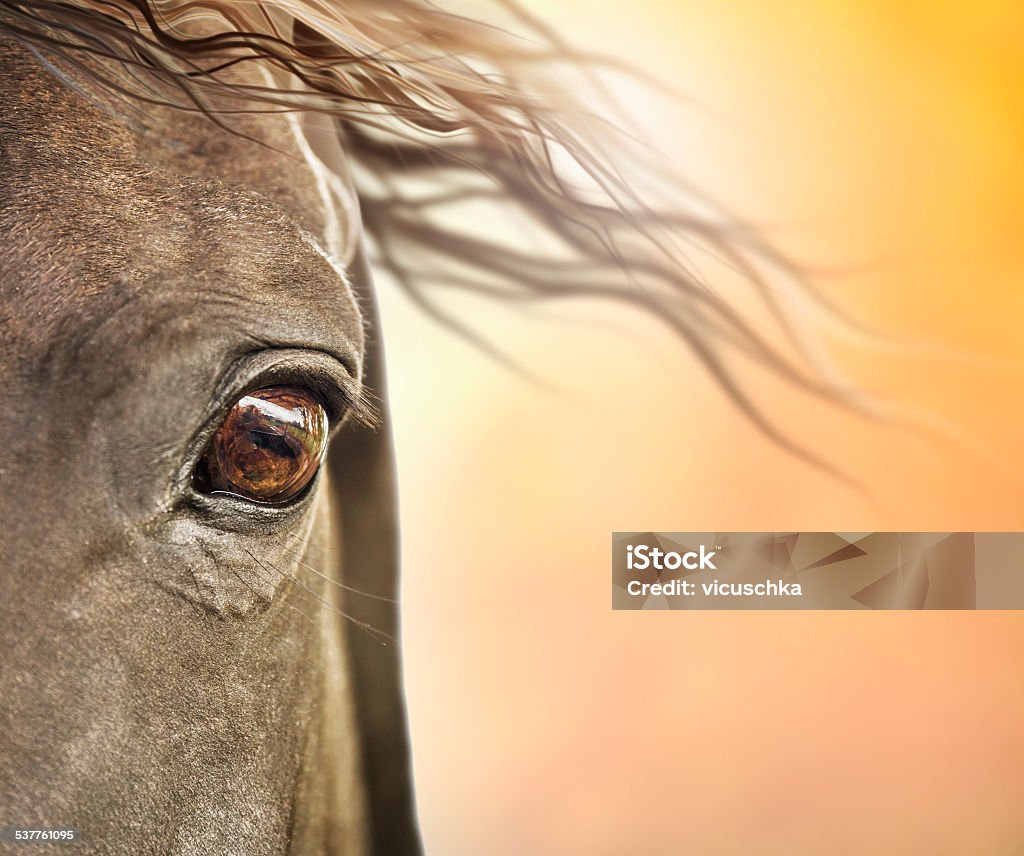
(268, 448)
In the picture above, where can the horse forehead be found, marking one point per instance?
(50, 122)
(266, 154)
(93, 199)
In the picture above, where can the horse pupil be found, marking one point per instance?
(272, 443)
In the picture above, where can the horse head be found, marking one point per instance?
(187, 666)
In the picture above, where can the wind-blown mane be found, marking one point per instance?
(436, 109)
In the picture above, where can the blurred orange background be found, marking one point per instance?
(881, 146)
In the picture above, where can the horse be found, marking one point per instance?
(200, 539)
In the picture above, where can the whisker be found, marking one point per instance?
(259, 597)
(374, 633)
(340, 584)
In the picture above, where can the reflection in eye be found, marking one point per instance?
(268, 448)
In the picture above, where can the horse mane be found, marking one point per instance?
(437, 110)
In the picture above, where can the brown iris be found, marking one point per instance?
(268, 447)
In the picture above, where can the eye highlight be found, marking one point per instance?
(268, 448)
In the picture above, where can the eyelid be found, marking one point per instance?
(319, 372)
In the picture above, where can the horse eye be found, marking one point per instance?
(268, 448)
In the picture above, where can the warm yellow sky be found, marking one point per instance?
(880, 145)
